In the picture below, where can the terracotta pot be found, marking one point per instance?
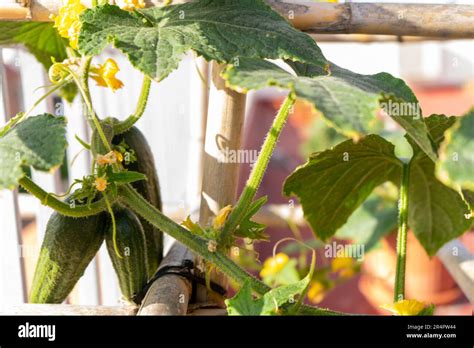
(426, 279)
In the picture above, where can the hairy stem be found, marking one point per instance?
(256, 176)
(122, 127)
(399, 293)
(137, 203)
(61, 207)
(83, 85)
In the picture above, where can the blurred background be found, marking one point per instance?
(441, 73)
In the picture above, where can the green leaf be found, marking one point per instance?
(271, 302)
(456, 167)
(156, 39)
(38, 141)
(243, 302)
(374, 219)
(330, 189)
(334, 183)
(41, 39)
(436, 212)
(348, 101)
(126, 177)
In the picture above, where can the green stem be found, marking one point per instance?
(399, 293)
(195, 243)
(114, 227)
(83, 85)
(61, 207)
(124, 126)
(137, 203)
(256, 176)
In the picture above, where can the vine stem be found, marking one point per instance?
(256, 176)
(114, 226)
(83, 85)
(59, 206)
(142, 207)
(122, 127)
(399, 292)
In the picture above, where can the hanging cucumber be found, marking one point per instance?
(128, 258)
(149, 189)
(69, 245)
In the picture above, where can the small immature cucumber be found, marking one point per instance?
(69, 245)
(131, 266)
(149, 189)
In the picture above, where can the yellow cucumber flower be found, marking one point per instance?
(190, 225)
(104, 75)
(101, 184)
(130, 5)
(109, 158)
(118, 155)
(67, 21)
(344, 266)
(405, 307)
(316, 292)
(221, 217)
(273, 265)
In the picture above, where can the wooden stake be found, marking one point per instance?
(428, 20)
(224, 128)
(170, 294)
(63, 309)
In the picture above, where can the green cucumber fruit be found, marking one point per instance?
(131, 265)
(149, 189)
(68, 247)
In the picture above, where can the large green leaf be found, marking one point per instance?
(374, 219)
(330, 189)
(436, 212)
(334, 183)
(38, 141)
(41, 39)
(457, 154)
(156, 39)
(348, 101)
(243, 302)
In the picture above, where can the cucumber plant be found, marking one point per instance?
(122, 191)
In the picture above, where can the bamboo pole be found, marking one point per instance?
(63, 309)
(428, 20)
(369, 38)
(223, 132)
(169, 294)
